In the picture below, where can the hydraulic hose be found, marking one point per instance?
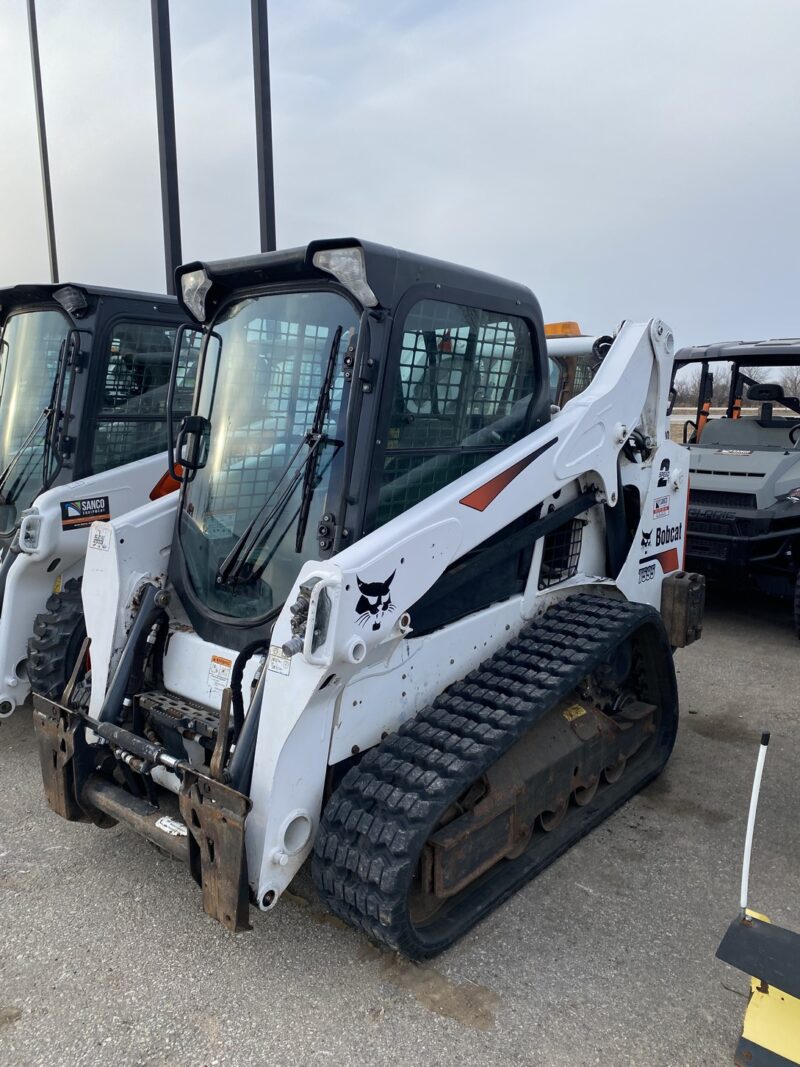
(237, 675)
(240, 768)
(151, 608)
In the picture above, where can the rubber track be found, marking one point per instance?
(57, 633)
(377, 821)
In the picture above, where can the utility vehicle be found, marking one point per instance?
(744, 459)
(399, 616)
(83, 435)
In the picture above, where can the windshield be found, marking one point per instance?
(722, 404)
(29, 350)
(263, 369)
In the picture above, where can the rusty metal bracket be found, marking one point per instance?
(62, 754)
(215, 817)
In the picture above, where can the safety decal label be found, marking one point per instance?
(100, 538)
(660, 507)
(278, 661)
(574, 711)
(733, 451)
(76, 514)
(219, 673)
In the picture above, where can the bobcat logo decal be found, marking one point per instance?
(375, 601)
(647, 537)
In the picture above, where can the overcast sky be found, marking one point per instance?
(623, 158)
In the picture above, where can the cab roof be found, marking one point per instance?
(39, 293)
(781, 351)
(389, 273)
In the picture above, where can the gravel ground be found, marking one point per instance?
(608, 957)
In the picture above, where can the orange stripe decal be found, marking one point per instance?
(481, 498)
(668, 559)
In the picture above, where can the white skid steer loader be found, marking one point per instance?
(399, 616)
(83, 436)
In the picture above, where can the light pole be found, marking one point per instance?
(167, 154)
(266, 185)
(44, 159)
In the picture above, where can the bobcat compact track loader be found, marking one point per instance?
(399, 617)
(83, 383)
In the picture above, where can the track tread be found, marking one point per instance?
(54, 633)
(377, 821)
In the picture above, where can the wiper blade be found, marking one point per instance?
(226, 568)
(316, 432)
(258, 528)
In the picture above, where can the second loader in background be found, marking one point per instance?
(83, 436)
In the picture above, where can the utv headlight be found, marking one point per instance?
(347, 266)
(794, 495)
(194, 290)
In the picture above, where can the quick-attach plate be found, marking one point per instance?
(65, 759)
(215, 817)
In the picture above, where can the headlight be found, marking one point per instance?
(72, 299)
(29, 529)
(794, 495)
(347, 266)
(194, 289)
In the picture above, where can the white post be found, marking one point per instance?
(751, 819)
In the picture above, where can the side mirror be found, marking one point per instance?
(191, 447)
(185, 346)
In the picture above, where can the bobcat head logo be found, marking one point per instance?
(647, 537)
(375, 601)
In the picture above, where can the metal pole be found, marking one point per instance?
(168, 159)
(43, 156)
(266, 187)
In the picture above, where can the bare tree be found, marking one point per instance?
(790, 380)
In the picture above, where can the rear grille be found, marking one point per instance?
(561, 553)
(722, 498)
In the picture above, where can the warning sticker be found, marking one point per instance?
(574, 711)
(278, 661)
(100, 538)
(75, 514)
(219, 674)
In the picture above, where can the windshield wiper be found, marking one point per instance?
(316, 435)
(262, 524)
(31, 434)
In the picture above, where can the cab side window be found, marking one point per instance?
(132, 414)
(462, 391)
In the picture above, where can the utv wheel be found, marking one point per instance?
(57, 637)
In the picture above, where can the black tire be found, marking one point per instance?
(57, 637)
(797, 605)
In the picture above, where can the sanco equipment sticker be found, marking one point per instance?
(78, 513)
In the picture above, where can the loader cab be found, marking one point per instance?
(339, 385)
(83, 385)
